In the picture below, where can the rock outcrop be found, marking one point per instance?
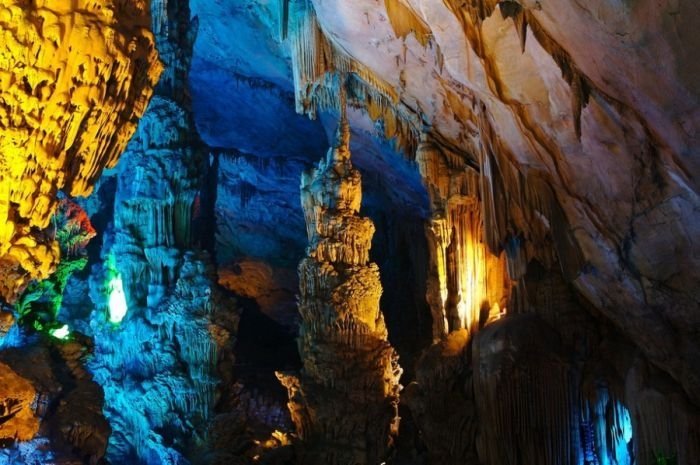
(75, 77)
(344, 402)
(54, 407)
(17, 419)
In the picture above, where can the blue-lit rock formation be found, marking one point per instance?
(156, 340)
(158, 369)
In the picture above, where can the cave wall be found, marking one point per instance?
(530, 99)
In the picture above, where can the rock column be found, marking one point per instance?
(157, 362)
(344, 403)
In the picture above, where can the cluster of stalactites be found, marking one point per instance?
(74, 79)
(175, 33)
(469, 284)
(344, 404)
(534, 225)
(316, 63)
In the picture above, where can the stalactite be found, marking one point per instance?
(470, 285)
(344, 403)
(512, 9)
(283, 10)
(405, 21)
(315, 63)
(472, 14)
(607, 435)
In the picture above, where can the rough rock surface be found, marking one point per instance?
(17, 420)
(67, 424)
(157, 360)
(558, 145)
(538, 95)
(271, 288)
(344, 403)
(468, 285)
(74, 78)
(441, 401)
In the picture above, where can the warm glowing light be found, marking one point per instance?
(117, 300)
(473, 282)
(60, 333)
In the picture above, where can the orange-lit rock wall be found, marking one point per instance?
(74, 77)
(468, 284)
(16, 398)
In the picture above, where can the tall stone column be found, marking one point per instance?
(344, 403)
(156, 352)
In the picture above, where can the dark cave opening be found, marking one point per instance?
(263, 346)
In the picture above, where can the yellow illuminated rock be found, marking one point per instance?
(74, 78)
(469, 286)
(17, 420)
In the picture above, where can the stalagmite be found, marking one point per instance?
(74, 77)
(344, 402)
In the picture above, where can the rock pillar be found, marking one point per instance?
(344, 403)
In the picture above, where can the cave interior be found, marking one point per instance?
(328, 232)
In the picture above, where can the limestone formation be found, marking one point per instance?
(17, 419)
(75, 77)
(165, 339)
(525, 395)
(441, 401)
(550, 149)
(344, 402)
(55, 408)
(582, 122)
(468, 285)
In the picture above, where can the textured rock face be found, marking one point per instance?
(160, 324)
(17, 420)
(521, 372)
(74, 79)
(576, 160)
(271, 288)
(558, 144)
(61, 418)
(468, 286)
(344, 402)
(441, 401)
